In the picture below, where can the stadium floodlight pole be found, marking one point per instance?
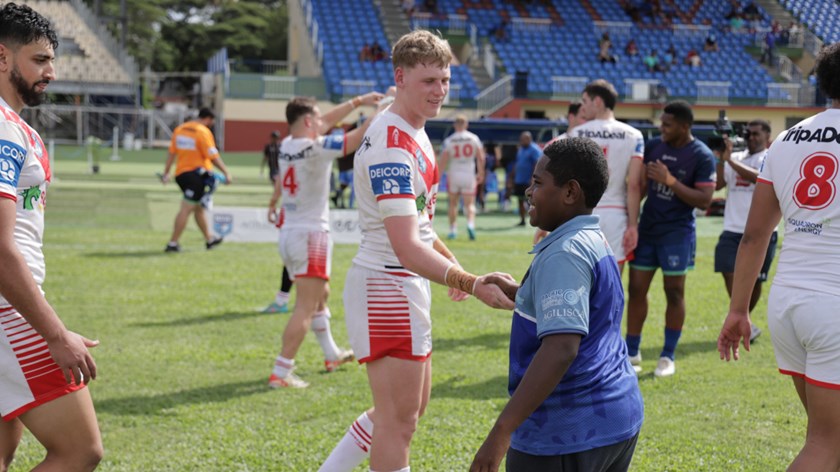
(115, 154)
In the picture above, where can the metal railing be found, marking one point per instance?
(73, 124)
(565, 87)
(532, 25)
(641, 90)
(495, 96)
(713, 92)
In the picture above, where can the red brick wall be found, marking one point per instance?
(251, 135)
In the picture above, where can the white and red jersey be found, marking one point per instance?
(305, 168)
(395, 174)
(462, 147)
(803, 165)
(739, 191)
(620, 143)
(24, 176)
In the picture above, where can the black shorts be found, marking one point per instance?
(613, 458)
(727, 249)
(195, 184)
(519, 189)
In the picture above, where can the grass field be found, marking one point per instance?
(185, 356)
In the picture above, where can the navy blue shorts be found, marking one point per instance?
(727, 249)
(674, 254)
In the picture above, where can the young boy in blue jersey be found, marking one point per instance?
(575, 402)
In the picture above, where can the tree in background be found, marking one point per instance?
(180, 35)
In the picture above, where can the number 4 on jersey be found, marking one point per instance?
(290, 182)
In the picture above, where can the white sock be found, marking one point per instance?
(321, 328)
(281, 298)
(404, 469)
(471, 225)
(283, 366)
(452, 228)
(353, 448)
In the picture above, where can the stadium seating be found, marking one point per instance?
(81, 57)
(344, 35)
(821, 17)
(570, 47)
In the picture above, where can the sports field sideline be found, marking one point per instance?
(185, 356)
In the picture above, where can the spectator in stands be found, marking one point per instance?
(376, 52)
(768, 48)
(604, 46)
(632, 10)
(430, 6)
(710, 45)
(672, 52)
(735, 25)
(365, 53)
(751, 12)
(793, 33)
(693, 59)
(652, 61)
(631, 49)
(500, 31)
(734, 9)
(408, 7)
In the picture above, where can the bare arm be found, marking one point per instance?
(428, 263)
(217, 161)
(634, 202)
(746, 172)
(170, 159)
(552, 360)
(275, 197)
(18, 286)
(329, 119)
(764, 215)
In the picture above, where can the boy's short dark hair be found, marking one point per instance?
(605, 90)
(206, 113)
(828, 71)
(579, 159)
(298, 107)
(21, 25)
(681, 111)
(574, 108)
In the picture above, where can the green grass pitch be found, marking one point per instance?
(185, 357)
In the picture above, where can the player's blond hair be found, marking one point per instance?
(421, 47)
(461, 120)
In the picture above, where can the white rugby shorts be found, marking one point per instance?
(806, 334)
(461, 182)
(29, 377)
(613, 224)
(306, 253)
(387, 314)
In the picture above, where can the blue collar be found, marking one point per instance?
(575, 224)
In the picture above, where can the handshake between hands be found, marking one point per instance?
(496, 290)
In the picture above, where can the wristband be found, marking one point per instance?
(355, 102)
(460, 279)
